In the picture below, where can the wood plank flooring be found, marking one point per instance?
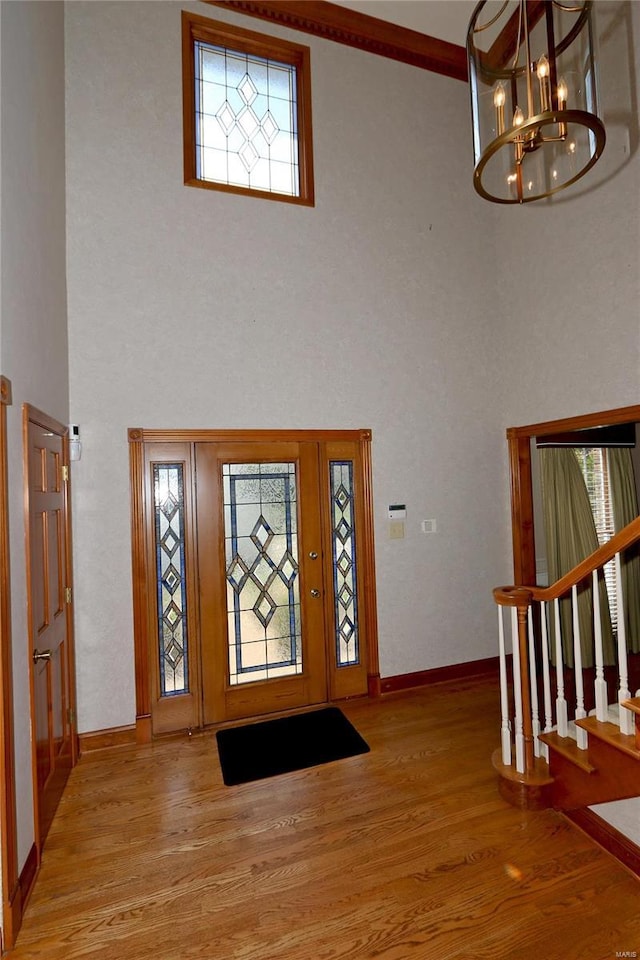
(405, 853)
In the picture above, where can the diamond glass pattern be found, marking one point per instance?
(344, 562)
(263, 595)
(170, 578)
(253, 103)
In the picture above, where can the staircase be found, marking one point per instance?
(570, 736)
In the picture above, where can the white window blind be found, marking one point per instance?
(593, 463)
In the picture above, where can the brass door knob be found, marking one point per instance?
(41, 655)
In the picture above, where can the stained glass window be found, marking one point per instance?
(261, 551)
(170, 578)
(247, 112)
(344, 562)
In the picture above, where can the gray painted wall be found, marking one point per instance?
(195, 308)
(33, 305)
(401, 302)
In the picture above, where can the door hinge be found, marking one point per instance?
(65, 473)
(71, 716)
(67, 594)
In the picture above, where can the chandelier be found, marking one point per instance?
(534, 103)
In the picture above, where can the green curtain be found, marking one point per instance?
(571, 537)
(624, 500)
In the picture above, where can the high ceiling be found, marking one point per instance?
(444, 19)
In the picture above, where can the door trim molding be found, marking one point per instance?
(519, 441)
(11, 898)
(137, 437)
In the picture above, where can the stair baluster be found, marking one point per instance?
(546, 677)
(561, 703)
(626, 722)
(581, 735)
(600, 682)
(535, 714)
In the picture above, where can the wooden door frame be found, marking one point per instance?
(11, 891)
(519, 441)
(140, 507)
(31, 414)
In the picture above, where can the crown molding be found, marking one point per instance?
(343, 25)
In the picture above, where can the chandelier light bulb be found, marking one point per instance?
(518, 117)
(543, 80)
(543, 67)
(499, 97)
(562, 93)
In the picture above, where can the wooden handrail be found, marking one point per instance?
(513, 596)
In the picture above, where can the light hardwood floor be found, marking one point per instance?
(406, 853)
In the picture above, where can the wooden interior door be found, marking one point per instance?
(49, 617)
(262, 613)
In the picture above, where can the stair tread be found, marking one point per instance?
(569, 749)
(633, 704)
(610, 733)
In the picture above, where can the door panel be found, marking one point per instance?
(261, 584)
(54, 748)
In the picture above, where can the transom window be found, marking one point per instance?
(247, 112)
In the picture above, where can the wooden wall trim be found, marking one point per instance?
(5, 391)
(14, 911)
(8, 825)
(369, 578)
(139, 583)
(104, 739)
(142, 435)
(583, 422)
(522, 531)
(607, 837)
(342, 25)
(454, 671)
(519, 439)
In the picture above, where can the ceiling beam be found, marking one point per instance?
(343, 25)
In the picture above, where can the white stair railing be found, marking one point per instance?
(526, 651)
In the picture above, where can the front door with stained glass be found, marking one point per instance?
(256, 594)
(261, 578)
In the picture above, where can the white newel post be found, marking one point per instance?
(519, 600)
(517, 691)
(505, 726)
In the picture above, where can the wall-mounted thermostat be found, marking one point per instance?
(397, 511)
